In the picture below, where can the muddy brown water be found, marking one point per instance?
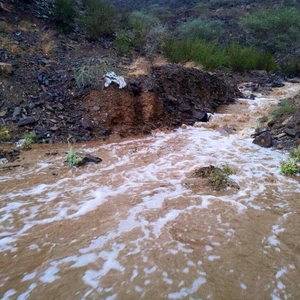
(133, 227)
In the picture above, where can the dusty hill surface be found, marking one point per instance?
(38, 91)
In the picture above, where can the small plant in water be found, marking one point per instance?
(290, 167)
(219, 177)
(29, 140)
(73, 158)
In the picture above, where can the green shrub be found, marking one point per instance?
(201, 29)
(213, 56)
(285, 106)
(73, 158)
(122, 43)
(65, 14)
(141, 24)
(29, 140)
(245, 58)
(275, 29)
(98, 20)
(289, 167)
(91, 73)
(4, 134)
(218, 178)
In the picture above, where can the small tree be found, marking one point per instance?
(65, 14)
(99, 19)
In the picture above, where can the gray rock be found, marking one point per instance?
(291, 132)
(26, 121)
(17, 112)
(264, 140)
(86, 124)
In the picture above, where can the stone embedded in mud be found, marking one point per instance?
(201, 116)
(264, 140)
(5, 69)
(88, 158)
(86, 124)
(26, 121)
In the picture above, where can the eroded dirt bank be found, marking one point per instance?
(136, 226)
(167, 97)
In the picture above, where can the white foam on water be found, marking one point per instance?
(7, 295)
(184, 292)
(156, 181)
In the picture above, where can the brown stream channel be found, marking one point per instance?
(136, 227)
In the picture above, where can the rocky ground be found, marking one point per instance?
(38, 90)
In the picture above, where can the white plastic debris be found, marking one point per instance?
(112, 77)
(20, 143)
(3, 161)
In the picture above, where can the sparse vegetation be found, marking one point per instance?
(92, 72)
(73, 158)
(4, 134)
(98, 20)
(290, 167)
(201, 29)
(218, 178)
(213, 56)
(275, 29)
(286, 106)
(122, 43)
(29, 140)
(65, 14)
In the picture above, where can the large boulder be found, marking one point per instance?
(264, 140)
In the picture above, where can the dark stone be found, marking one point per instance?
(201, 116)
(87, 158)
(264, 140)
(31, 105)
(26, 121)
(86, 124)
(16, 113)
(277, 84)
(291, 132)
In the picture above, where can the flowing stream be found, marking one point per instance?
(137, 227)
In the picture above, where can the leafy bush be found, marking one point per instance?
(289, 167)
(245, 58)
(122, 43)
(91, 73)
(201, 29)
(4, 134)
(275, 29)
(29, 140)
(98, 20)
(73, 158)
(141, 25)
(219, 177)
(213, 56)
(285, 106)
(64, 13)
